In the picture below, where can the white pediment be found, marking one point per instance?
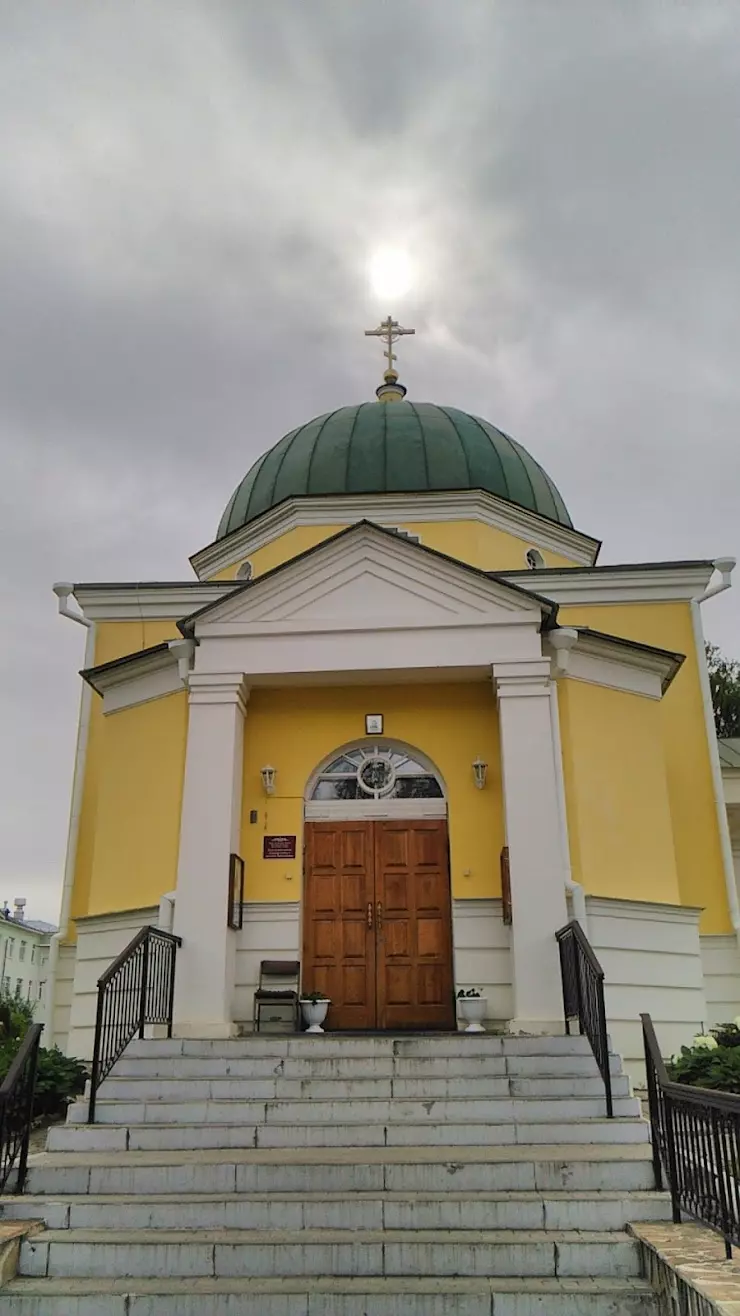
(368, 578)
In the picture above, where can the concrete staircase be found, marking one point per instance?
(342, 1176)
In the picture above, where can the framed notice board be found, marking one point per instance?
(234, 912)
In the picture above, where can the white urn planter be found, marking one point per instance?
(473, 1010)
(314, 1014)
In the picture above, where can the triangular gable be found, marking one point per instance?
(367, 576)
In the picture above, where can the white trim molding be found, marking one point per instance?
(656, 582)
(390, 510)
(149, 601)
(610, 661)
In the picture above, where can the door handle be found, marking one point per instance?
(379, 915)
(369, 913)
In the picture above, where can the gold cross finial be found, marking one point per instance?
(390, 330)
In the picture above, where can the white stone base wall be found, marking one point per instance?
(100, 939)
(653, 959)
(721, 960)
(56, 1032)
(482, 954)
(271, 931)
(652, 964)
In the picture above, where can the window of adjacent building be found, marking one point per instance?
(22, 951)
(41, 989)
(33, 954)
(6, 984)
(19, 986)
(11, 945)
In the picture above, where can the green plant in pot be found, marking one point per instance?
(315, 1006)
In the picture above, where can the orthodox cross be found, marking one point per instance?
(389, 330)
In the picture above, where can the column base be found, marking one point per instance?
(536, 1027)
(209, 1029)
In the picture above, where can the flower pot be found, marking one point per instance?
(314, 1014)
(472, 1010)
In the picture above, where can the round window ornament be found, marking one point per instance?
(376, 775)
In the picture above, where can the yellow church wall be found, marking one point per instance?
(473, 542)
(113, 639)
(141, 764)
(688, 770)
(619, 816)
(295, 729)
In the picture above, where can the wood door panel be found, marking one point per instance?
(338, 946)
(396, 973)
(414, 945)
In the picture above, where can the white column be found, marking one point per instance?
(533, 835)
(210, 830)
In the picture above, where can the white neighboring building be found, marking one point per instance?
(24, 956)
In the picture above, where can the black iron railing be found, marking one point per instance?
(696, 1144)
(16, 1110)
(583, 997)
(138, 989)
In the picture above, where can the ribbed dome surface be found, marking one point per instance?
(394, 447)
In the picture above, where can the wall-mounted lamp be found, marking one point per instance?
(268, 774)
(480, 772)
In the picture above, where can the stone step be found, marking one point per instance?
(328, 1046)
(545, 1168)
(239, 1109)
(356, 1066)
(356, 1210)
(395, 1133)
(422, 1296)
(227, 1087)
(533, 1253)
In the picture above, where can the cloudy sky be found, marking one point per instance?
(190, 195)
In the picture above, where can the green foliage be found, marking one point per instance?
(724, 682)
(59, 1078)
(707, 1065)
(314, 997)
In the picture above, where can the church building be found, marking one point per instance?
(401, 726)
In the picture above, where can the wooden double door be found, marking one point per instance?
(377, 923)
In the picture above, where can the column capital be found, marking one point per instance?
(218, 688)
(522, 680)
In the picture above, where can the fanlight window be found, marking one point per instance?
(374, 774)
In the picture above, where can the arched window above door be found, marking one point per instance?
(375, 772)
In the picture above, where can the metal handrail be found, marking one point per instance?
(696, 1143)
(137, 989)
(16, 1109)
(583, 997)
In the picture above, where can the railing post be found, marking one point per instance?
(579, 987)
(95, 1071)
(607, 1075)
(670, 1147)
(31, 1095)
(655, 1121)
(563, 949)
(172, 952)
(144, 985)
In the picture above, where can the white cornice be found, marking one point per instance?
(138, 679)
(389, 510)
(658, 583)
(145, 602)
(641, 909)
(601, 660)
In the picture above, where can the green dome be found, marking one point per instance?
(393, 447)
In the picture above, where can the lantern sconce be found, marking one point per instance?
(480, 772)
(268, 775)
